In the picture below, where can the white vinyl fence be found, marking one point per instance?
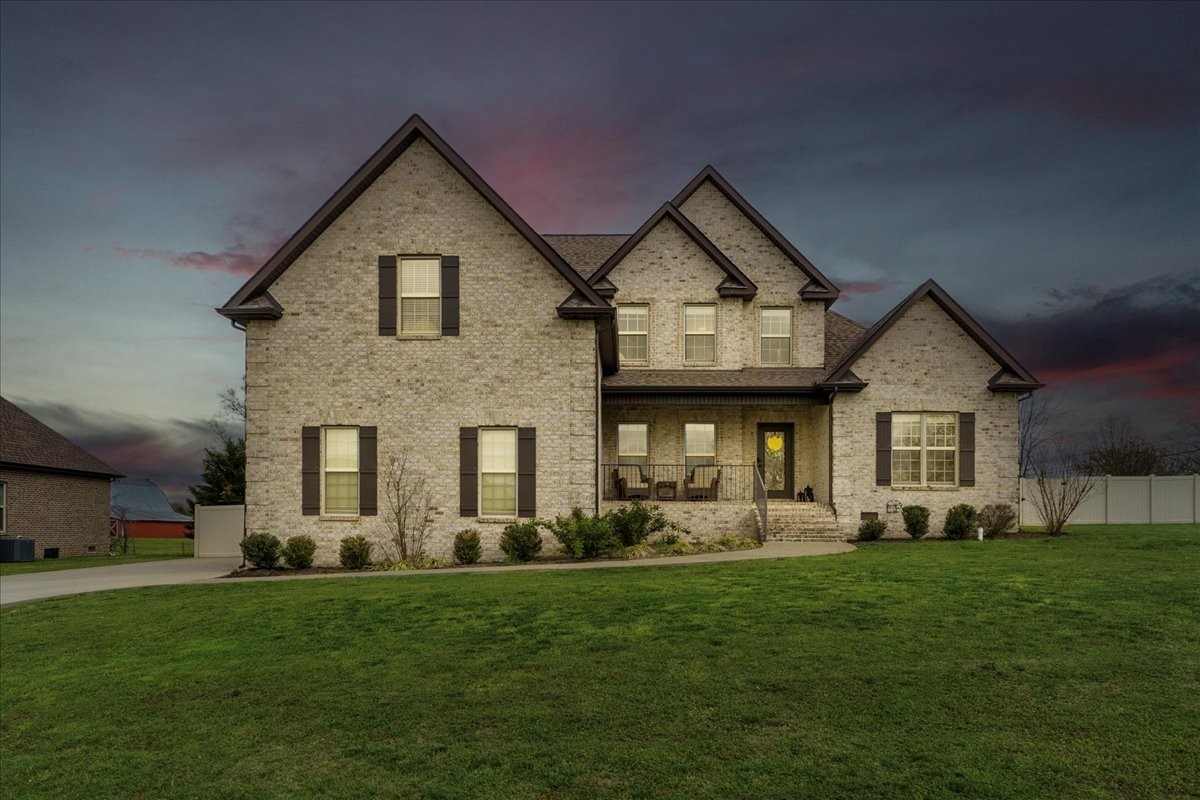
(1147, 499)
(219, 531)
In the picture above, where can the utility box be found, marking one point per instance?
(16, 548)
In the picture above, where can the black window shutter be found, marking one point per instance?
(387, 295)
(468, 472)
(368, 459)
(966, 449)
(310, 470)
(526, 472)
(449, 295)
(883, 448)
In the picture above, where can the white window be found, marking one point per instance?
(633, 323)
(341, 470)
(699, 334)
(3, 507)
(699, 445)
(924, 449)
(420, 295)
(498, 472)
(633, 444)
(775, 336)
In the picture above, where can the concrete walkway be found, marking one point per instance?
(39, 585)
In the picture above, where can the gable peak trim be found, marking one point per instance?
(818, 286)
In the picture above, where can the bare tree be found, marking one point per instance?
(1119, 448)
(1184, 458)
(407, 503)
(1039, 415)
(118, 517)
(233, 401)
(1060, 487)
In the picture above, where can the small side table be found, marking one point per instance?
(666, 490)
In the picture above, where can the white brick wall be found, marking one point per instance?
(925, 362)
(515, 363)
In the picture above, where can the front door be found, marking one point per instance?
(776, 457)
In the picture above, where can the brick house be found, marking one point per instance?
(51, 489)
(695, 362)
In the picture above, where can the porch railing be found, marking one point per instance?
(760, 500)
(664, 483)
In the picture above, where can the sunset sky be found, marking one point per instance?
(1041, 162)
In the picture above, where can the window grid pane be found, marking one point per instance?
(499, 494)
(632, 346)
(699, 347)
(632, 441)
(341, 492)
(420, 276)
(776, 351)
(633, 319)
(906, 467)
(498, 450)
(700, 319)
(341, 448)
(420, 315)
(939, 467)
(498, 471)
(700, 439)
(776, 322)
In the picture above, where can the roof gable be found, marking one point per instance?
(735, 284)
(29, 443)
(253, 301)
(1012, 377)
(818, 286)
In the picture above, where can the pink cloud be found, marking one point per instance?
(861, 287)
(230, 262)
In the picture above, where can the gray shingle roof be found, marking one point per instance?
(25, 442)
(585, 252)
(841, 335)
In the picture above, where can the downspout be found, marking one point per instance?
(831, 504)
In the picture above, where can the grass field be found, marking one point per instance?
(139, 550)
(1036, 668)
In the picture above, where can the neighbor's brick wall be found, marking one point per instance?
(514, 364)
(777, 278)
(926, 362)
(64, 511)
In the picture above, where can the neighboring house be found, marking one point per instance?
(51, 489)
(141, 510)
(417, 314)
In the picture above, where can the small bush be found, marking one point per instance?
(996, 519)
(636, 522)
(582, 535)
(521, 541)
(960, 521)
(261, 550)
(707, 547)
(670, 537)
(737, 543)
(404, 565)
(637, 551)
(916, 521)
(355, 552)
(674, 548)
(871, 530)
(467, 549)
(299, 551)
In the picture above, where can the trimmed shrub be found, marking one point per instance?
(996, 519)
(707, 547)
(637, 551)
(261, 550)
(582, 535)
(636, 522)
(960, 521)
(871, 530)
(674, 548)
(916, 521)
(737, 543)
(299, 551)
(467, 549)
(521, 541)
(355, 552)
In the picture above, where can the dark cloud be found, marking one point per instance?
(169, 452)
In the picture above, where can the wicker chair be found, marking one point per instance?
(697, 488)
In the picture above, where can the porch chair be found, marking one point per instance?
(696, 487)
(631, 486)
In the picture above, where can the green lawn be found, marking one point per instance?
(1037, 668)
(139, 550)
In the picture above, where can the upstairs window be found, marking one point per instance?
(699, 445)
(775, 336)
(699, 334)
(633, 323)
(341, 470)
(924, 449)
(420, 295)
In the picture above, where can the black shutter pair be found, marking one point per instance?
(310, 471)
(883, 449)
(389, 292)
(468, 472)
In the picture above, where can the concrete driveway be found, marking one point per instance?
(38, 585)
